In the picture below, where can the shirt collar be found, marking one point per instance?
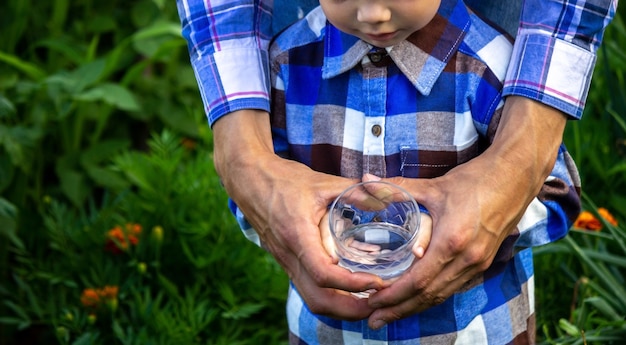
(421, 57)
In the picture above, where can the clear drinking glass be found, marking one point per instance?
(374, 226)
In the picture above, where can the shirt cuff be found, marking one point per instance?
(245, 227)
(549, 70)
(231, 80)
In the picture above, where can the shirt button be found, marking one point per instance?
(376, 57)
(376, 130)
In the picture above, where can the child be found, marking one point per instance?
(410, 88)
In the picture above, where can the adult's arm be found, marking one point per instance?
(555, 52)
(474, 208)
(283, 201)
(477, 205)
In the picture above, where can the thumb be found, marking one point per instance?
(424, 190)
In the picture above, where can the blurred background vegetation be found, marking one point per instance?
(113, 224)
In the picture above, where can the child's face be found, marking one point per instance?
(382, 23)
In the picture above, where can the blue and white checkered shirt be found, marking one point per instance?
(418, 109)
(552, 61)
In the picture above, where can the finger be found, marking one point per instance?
(324, 272)
(427, 192)
(386, 192)
(437, 292)
(331, 302)
(423, 236)
(362, 197)
(327, 239)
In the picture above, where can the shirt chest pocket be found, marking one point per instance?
(434, 161)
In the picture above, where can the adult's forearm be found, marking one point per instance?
(240, 139)
(526, 143)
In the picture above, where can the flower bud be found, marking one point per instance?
(62, 333)
(69, 316)
(91, 319)
(157, 234)
(142, 268)
(112, 304)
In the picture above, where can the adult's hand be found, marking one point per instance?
(284, 201)
(474, 207)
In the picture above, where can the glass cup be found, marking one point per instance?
(374, 226)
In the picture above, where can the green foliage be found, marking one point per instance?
(83, 87)
(595, 265)
(580, 280)
(190, 278)
(77, 81)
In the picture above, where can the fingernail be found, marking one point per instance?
(371, 177)
(378, 324)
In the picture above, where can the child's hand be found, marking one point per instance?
(423, 236)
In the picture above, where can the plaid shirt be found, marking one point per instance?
(418, 109)
(552, 62)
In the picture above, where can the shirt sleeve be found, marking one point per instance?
(555, 51)
(228, 43)
(551, 214)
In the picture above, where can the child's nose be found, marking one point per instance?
(373, 12)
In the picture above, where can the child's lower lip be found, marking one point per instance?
(382, 37)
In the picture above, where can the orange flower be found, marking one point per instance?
(90, 298)
(118, 238)
(607, 216)
(188, 144)
(94, 298)
(587, 221)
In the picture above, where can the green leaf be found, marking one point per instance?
(101, 24)
(158, 29)
(7, 170)
(73, 185)
(10, 320)
(176, 118)
(602, 306)
(107, 178)
(113, 94)
(67, 49)
(149, 41)
(86, 338)
(19, 142)
(7, 109)
(103, 151)
(34, 303)
(136, 167)
(243, 311)
(570, 329)
(18, 310)
(31, 70)
(617, 260)
(169, 287)
(88, 74)
(143, 13)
